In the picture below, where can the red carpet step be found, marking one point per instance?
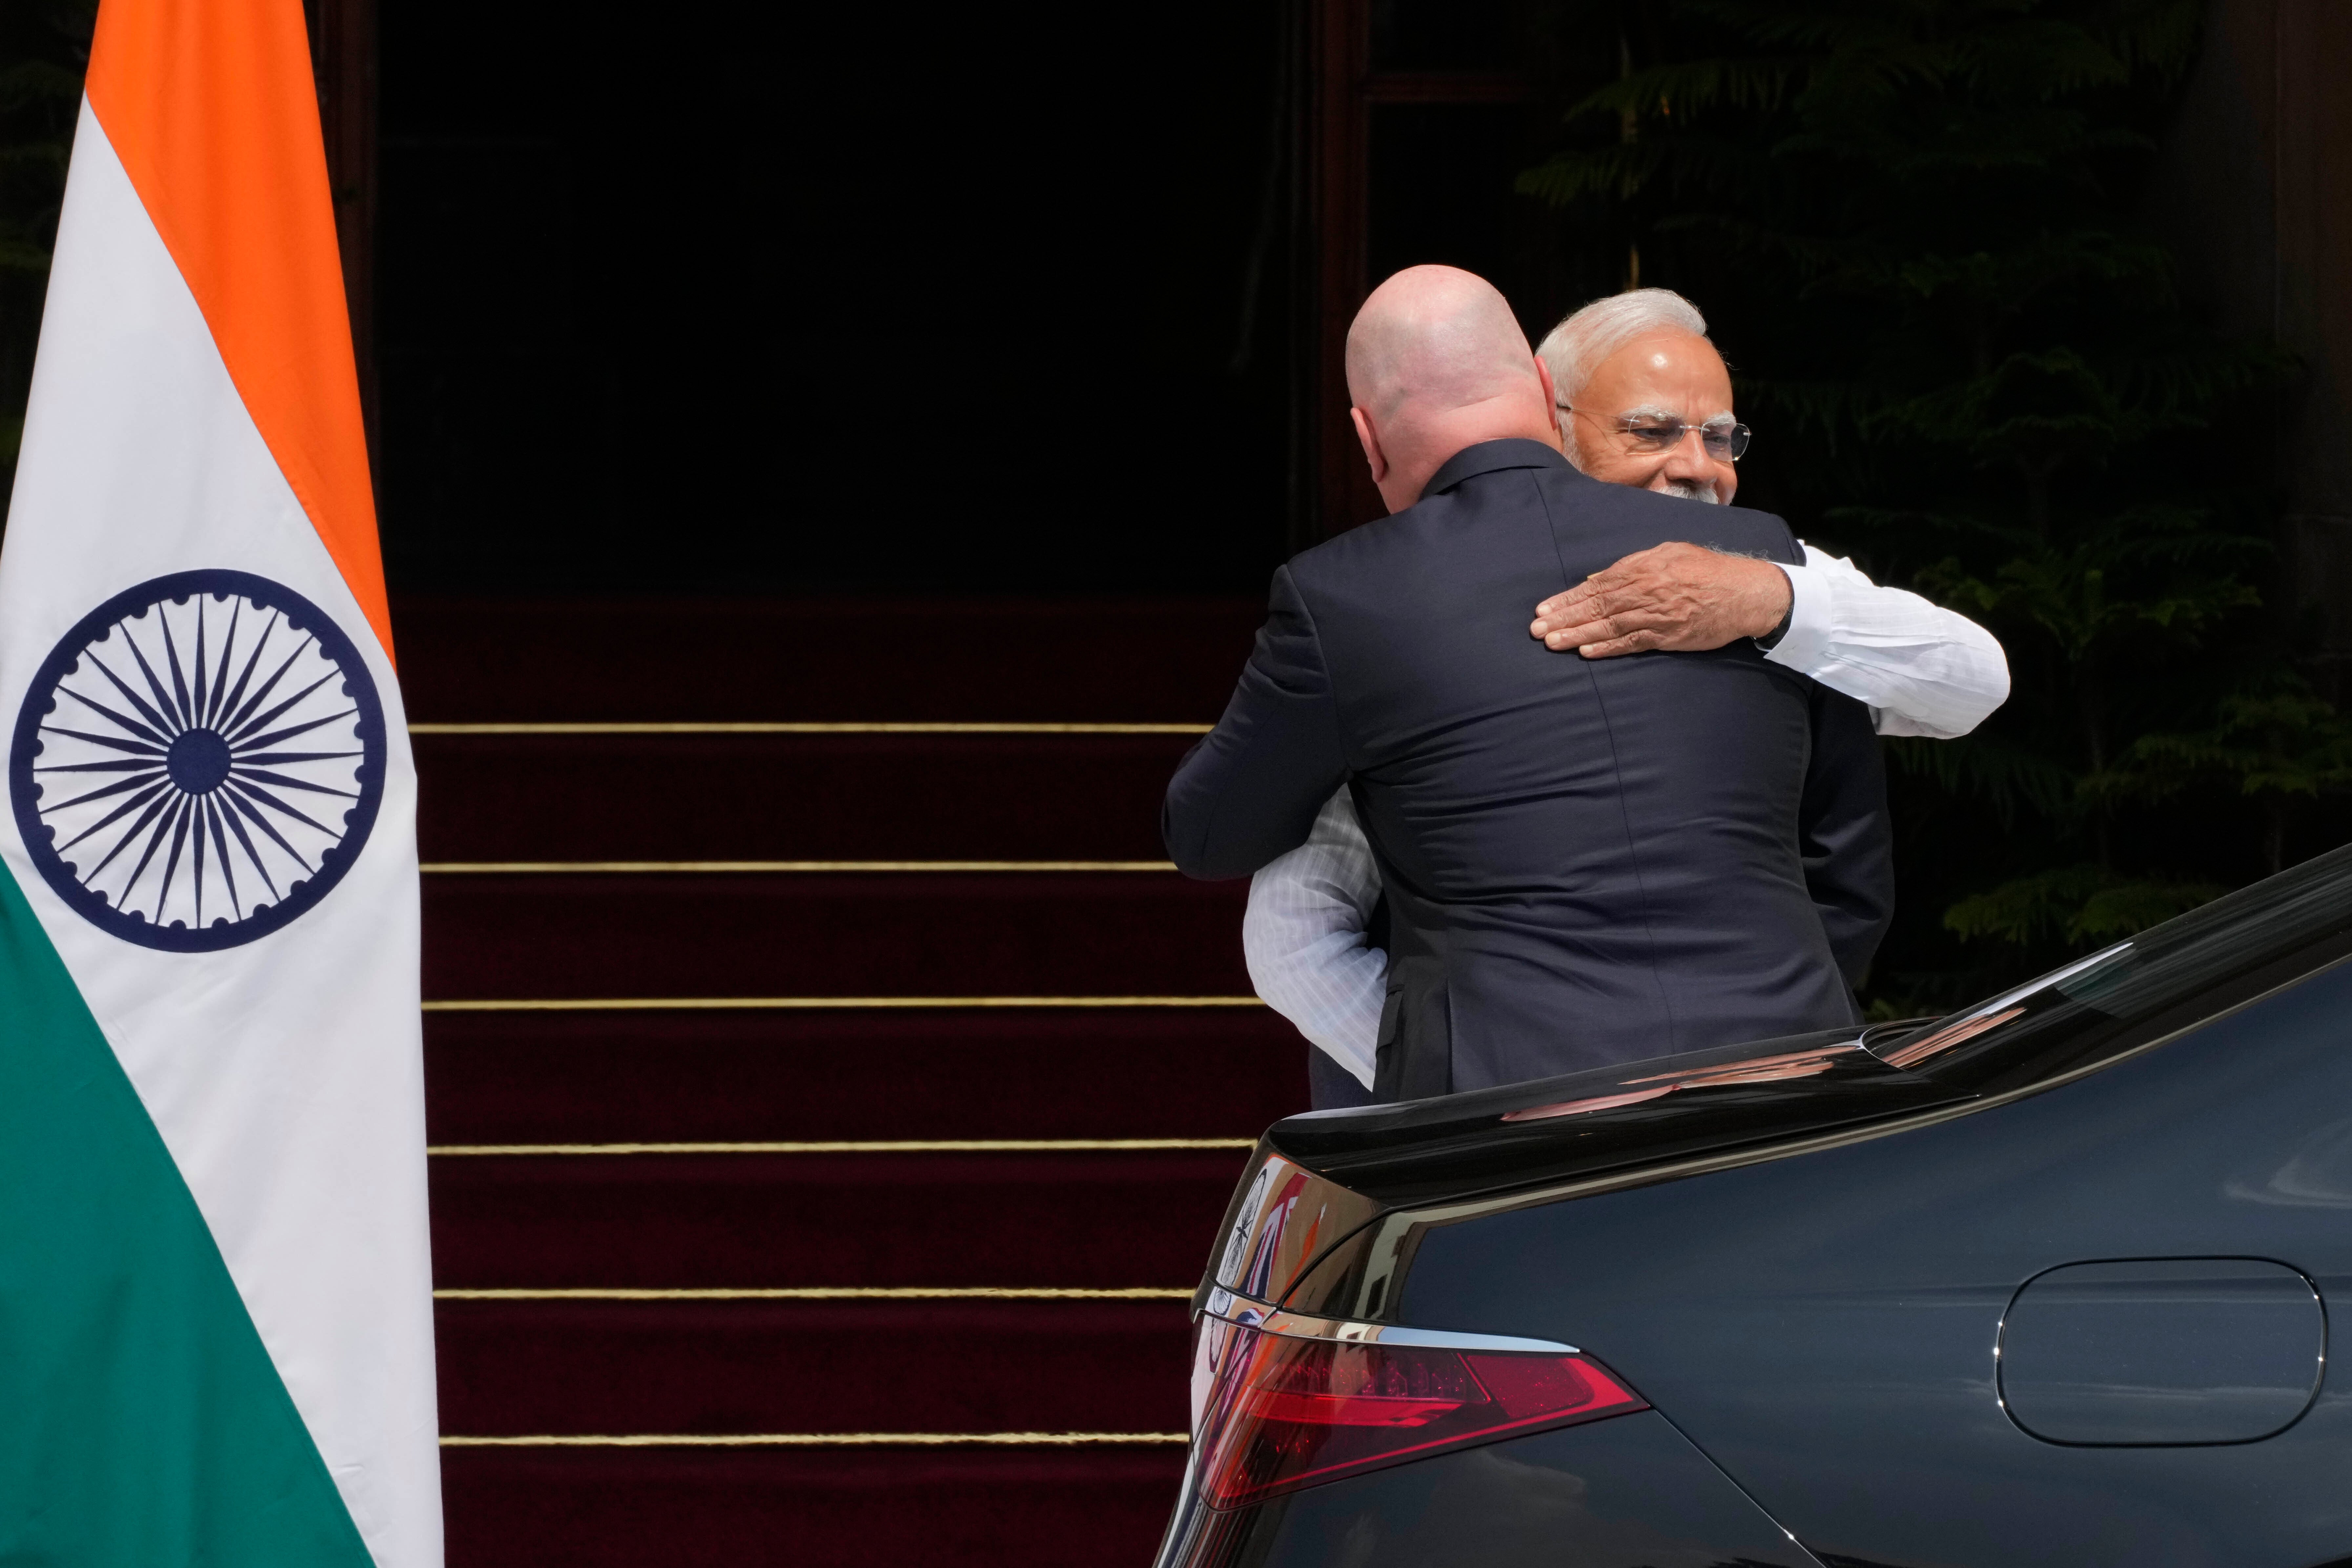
(517, 1367)
(605, 1078)
(1111, 1220)
(656, 1507)
(669, 1372)
(885, 935)
(794, 797)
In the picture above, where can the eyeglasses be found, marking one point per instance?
(1723, 439)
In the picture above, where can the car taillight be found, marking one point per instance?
(1285, 1412)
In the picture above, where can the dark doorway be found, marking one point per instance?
(1048, 301)
(835, 298)
(1425, 115)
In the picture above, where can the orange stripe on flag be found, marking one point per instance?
(210, 107)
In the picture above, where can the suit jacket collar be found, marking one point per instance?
(1489, 457)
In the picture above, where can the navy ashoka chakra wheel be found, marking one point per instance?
(198, 762)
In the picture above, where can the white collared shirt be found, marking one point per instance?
(1920, 669)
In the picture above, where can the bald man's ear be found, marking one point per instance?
(1551, 401)
(1372, 453)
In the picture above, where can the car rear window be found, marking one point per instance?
(2170, 976)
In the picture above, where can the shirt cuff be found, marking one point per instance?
(1804, 647)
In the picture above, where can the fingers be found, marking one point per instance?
(1629, 572)
(1583, 618)
(1647, 594)
(1560, 605)
(1586, 615)
(1639, 642)
(1659, 565)
(1640, 628)
(1579, 634)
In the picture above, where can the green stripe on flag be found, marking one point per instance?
(141, 1423)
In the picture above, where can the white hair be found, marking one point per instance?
(1577, 346)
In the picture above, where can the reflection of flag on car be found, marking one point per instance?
(216, 1322)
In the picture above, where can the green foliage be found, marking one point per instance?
(2081, 904)
(2271, 743)
(1913, 225)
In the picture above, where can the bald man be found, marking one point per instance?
(1588, 861)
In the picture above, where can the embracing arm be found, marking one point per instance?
(1308, 943)
(1919, 668)
(1251, 789)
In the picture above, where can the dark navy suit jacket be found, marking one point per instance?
(1586, 861)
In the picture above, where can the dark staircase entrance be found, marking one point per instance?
(833, 1096)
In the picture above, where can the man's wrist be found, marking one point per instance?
(1770, 636)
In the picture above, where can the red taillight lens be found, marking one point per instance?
(1287, 1412)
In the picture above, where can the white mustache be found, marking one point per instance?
(1690, 490)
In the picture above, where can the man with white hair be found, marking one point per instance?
(1642, 398)
(1586, 861)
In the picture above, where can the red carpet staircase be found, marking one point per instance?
(752, 1274)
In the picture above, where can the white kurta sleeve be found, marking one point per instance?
(1920, 669)
(1305, 938)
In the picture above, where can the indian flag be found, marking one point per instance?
(215, 1313)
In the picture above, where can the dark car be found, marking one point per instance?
(2043, 1282)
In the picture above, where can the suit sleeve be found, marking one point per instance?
(1844, 832)
(1251, 789)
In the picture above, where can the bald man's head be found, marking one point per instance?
(1436, 362)
(1437, 338)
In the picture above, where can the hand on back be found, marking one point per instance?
(1680, 598)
